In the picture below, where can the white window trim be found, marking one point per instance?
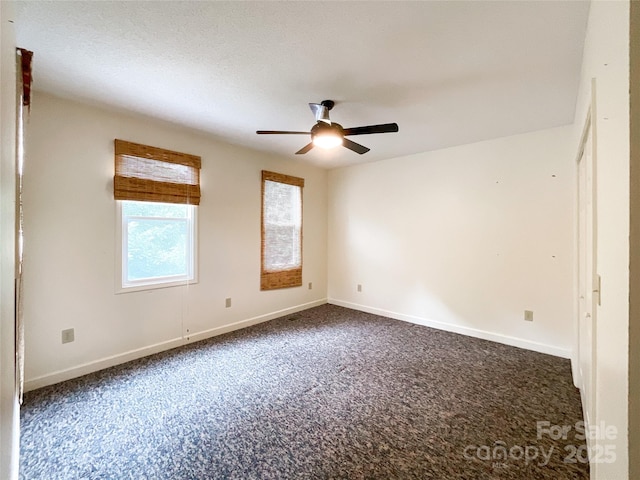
(124, 286)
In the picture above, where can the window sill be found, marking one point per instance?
(140, 287)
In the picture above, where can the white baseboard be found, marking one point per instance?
(101, 364)
(252, 321)
(471, 332)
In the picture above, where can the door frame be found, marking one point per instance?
(589, 399)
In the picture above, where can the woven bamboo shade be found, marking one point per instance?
(281, 232)
(155, 175)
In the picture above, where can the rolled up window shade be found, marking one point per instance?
(155, 175)
(281, 231)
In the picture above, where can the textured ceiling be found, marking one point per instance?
(448, 73)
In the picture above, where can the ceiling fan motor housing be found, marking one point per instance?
(328, 103)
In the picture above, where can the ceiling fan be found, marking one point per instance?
(328, 134)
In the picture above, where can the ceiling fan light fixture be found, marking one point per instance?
(327, 140)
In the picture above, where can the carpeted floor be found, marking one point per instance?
(328, 393)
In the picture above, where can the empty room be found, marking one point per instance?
(322, 240)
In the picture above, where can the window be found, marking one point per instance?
(158, 243)
(281, 265)
(158, 192)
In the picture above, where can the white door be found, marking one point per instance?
(587, 279)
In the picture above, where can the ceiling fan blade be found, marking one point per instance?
(305, 149)
(356, 147)
(280, 132)
(383, 128)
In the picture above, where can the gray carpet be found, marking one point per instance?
(328, 393)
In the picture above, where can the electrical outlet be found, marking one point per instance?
(310, 285)
(528, 315)
(68, 335)
(227, 302)
(359, 287)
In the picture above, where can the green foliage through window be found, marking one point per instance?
(157, 241)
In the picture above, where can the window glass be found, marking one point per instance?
(158, 243)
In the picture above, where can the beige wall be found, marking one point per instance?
(463, 239)
(70, 243)
(8, 401)
(634, 250)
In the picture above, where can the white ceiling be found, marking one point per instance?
(449, 73)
